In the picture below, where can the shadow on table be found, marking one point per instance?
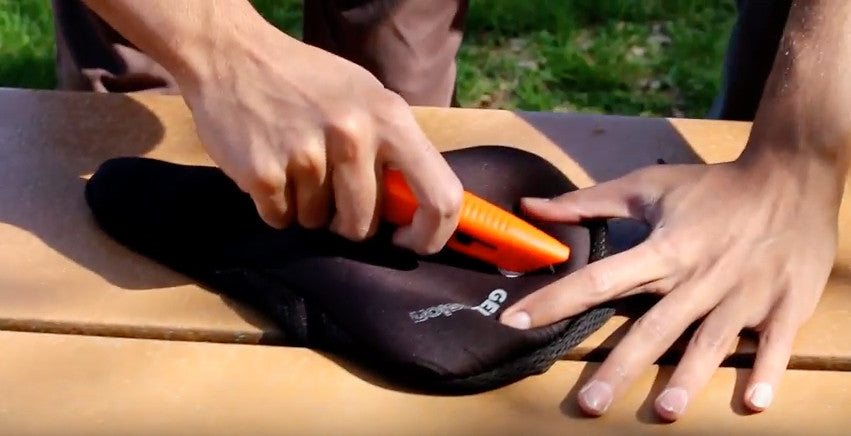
(45, 152)
(607, 147)
(49, 143)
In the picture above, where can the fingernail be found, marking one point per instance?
(673, 400)
(518, 320)
(761, 395)
(596, 396)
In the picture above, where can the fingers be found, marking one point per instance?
(352, 150)
(437, 189)
(302, 193)
(271, 195)
(273, 208)
(356, 198)
(612, 277)
(312, 186)
(648, 339)
(708, 347)
(619, 198)
(436, 217)
(342, 166)
(772, 357)
(313, 198)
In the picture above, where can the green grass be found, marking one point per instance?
(26, 44)
(650, 57)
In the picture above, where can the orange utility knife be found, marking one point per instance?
(485, 231)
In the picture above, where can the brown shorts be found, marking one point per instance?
(410, 45)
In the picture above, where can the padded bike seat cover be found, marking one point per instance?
(428, 323)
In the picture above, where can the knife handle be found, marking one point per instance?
(485, 231)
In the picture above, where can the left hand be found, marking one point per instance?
(747, 245)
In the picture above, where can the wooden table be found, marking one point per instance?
(98, 340)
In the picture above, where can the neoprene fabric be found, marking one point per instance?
(428, 323)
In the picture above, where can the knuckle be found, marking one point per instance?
(671, 248)
(350, 122)
(599, 281)
(710, 340)
(347, 150)
(453, 199)
(805, 303)
(262, 179)
(349, 135)
(308, 160)
(772, 336)
(646, 193)
(651, 327)
(395, 113)
(660, 287)
(393, 102)
(446, 206)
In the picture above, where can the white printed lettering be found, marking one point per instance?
(486, 308)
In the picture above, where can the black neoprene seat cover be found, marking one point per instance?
(423, 322)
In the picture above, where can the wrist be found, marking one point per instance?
(201, 57)
(785, 137)
(786, 160)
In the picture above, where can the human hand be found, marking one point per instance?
(305, 132)
(744, 244)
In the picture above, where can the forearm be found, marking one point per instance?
(184, 36)
(805, 112)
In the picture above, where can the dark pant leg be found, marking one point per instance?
(410, 45)
(92, 56)
(750, 57)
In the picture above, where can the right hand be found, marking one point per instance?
(304, 131)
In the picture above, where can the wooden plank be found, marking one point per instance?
(68, 384)
(59, 273)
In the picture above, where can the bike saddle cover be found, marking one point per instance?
(427, 323)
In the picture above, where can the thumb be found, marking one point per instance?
(619, 198)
